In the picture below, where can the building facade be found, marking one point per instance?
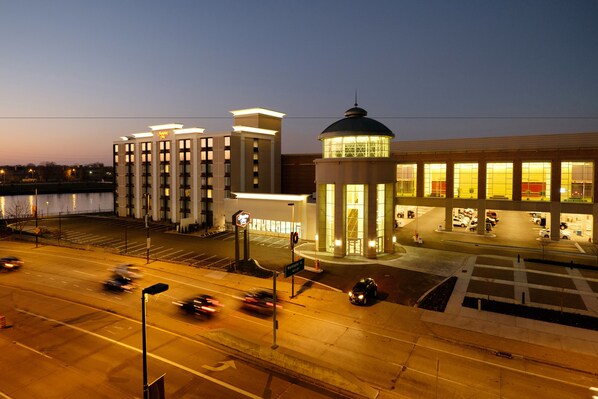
(355, 180)
(183, 175)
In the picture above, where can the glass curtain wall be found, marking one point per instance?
(406, 180)
(576, 181)
(466, 180)
(535, 181)
(330, 217)
(356, 147)
(499, 180)
(380, 219)
(435, 180)
(355, 211)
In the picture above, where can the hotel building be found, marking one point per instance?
(183, 175)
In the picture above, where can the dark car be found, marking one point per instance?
(203, 304)
(119, 283)
(10, 263)
(364, 289)
(260, 300)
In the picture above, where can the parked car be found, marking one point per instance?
(564, 234)
(493, 215)
(10, 263)
(128, 270)
(119, 283)
(260, 300)
(200, 305)
(564, 226)
(362, 290)
(460, 222)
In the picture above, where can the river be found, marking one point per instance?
(55, 204)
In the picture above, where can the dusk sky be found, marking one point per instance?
(76, 75)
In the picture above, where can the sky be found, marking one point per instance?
(75, 75)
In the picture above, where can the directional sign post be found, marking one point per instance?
(291, 270)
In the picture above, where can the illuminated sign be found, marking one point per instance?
(241, 218)
(163, 134)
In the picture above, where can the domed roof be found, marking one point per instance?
(356, 123)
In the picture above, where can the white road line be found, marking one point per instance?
(160, 358)
(33, 350)
(183, 255)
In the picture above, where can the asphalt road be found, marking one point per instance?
(65, 325)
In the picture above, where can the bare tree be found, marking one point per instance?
(17, 215)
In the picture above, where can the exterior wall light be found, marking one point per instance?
(394, 239)
(338, 243)
(372, 243)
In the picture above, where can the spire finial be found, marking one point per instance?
(356, 97)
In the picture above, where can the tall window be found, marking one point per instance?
(535, 181)
(499, 180)
(576, 181)
(227, 167)
(355, 211)
(185, 177)
(207, 163)
(406, 180)
(466, 180)
(256, 159)
(435, 180)
(380, 216)
(330, 217)
(130, 176)
(146, 162)
(164, 178)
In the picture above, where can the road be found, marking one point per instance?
(63, 321)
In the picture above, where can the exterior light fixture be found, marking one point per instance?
(338, 243)
(151, 290)
(372, 243)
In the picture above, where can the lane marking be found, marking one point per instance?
(33, 350)
(160, 358)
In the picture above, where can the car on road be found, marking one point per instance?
(10, 263)
(362, 290)
(260, 300)
(128, 270)
(200, 305)
(119, 283)
(564, 234)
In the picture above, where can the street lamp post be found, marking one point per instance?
(151, 290)
(147, 207)
(292, 245)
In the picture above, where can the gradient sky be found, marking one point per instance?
(76, 75)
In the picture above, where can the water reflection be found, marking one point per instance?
(53, 204)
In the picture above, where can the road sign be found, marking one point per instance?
(294, 267)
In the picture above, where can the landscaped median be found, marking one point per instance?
(287, 361)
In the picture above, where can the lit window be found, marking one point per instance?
(499, 180)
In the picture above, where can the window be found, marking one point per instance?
(406, 180)
(355, 211)
(356, 146)
(499, 180)
(435, 180)
(466, 180)
(330, 217)
(576, 181)
(535, 181)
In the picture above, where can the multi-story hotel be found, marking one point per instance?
(183, 175)
(361, 180)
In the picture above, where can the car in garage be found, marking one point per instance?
(460, 221)
(10, 263)
(362, 290)
(200, 305)
(563, 234)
